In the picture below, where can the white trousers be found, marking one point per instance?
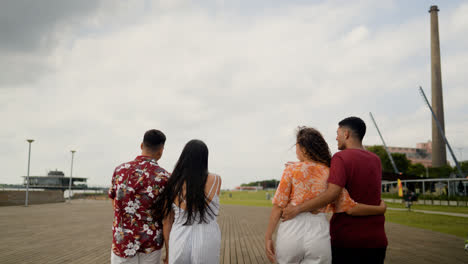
(140, 258)
(304, 239)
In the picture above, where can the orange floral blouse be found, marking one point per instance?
(303, 181)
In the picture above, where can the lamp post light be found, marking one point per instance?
(27, 176)
(71, 175)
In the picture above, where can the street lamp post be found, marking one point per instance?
(71, 175)
(27, 176)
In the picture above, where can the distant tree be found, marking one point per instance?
(269, 183)
(464, 167)
(265, 184)
(441, 172)
(401, 162)
(380, 151)
(416, 169)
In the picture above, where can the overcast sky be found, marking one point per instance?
(93, 76)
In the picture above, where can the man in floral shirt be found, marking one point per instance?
(137, 237)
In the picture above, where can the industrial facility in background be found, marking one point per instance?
(56, 180)
(422, 153)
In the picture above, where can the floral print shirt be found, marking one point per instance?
(135, 187)
(303, 181)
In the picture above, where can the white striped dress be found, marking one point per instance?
(198, 242)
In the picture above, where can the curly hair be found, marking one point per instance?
(314, 145)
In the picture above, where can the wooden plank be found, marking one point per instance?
(257, 239)
(222, 226)
(232, 242)
(241, 237)
(226, 258)
(248, 242)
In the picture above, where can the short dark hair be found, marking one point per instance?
(154, 139)
(356, 125)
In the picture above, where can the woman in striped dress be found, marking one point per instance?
(189, 206)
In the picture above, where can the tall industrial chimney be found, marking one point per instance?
(439, 155)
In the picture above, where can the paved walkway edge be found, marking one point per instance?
(429, 212)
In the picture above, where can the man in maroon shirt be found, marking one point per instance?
(137, 237)
(354, 239)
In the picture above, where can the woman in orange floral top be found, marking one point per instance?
(306, 238)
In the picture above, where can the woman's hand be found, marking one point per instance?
(270, 250)
(269, 246)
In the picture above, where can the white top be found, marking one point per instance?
(198, 242)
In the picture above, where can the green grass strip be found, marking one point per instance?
(452, 225)
(440, 208)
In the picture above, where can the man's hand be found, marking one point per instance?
(383, 205)
(270, 250)
(290, 212)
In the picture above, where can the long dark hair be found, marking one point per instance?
(192, 170)
(314, 145)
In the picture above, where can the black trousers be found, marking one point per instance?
(358, 255)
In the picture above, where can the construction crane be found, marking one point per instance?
(421, 91)
(385, 145)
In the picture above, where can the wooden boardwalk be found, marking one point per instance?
(80, 232)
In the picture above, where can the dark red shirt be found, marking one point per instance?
(135, 187)
(360, 172)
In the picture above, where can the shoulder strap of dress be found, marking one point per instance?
(218, 183)
(215, 183)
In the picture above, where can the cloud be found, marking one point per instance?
(241, 82)
(31, 30)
